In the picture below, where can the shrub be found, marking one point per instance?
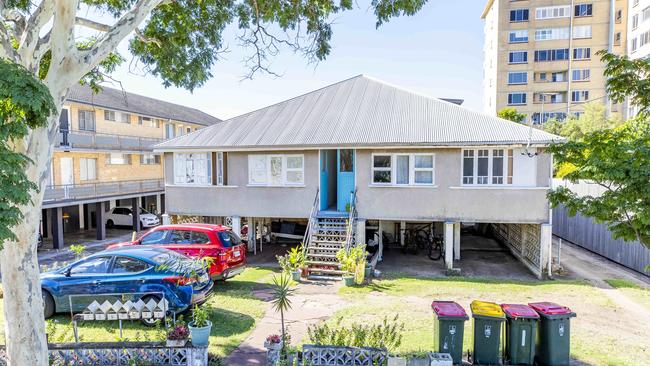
(179, 333)
(387, 334)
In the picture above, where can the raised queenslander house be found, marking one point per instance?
(362, 155)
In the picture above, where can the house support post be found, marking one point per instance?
(546, 247)
(361, 232)
(57, 227)
(135, 213)
(457, 241)
(380, 230)
(449, 245)
(402, 232)
(158, 208)
(111, 204)
(100, 211)
(87, 216)
(82, 217)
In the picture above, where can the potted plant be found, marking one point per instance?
(200, 326)
(296, 259)
(353, 264)
(273, 342)
(178, 336)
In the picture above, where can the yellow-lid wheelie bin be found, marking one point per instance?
(488, 324)
(521, 333)
(448, 329)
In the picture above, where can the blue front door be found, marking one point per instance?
(344, 178)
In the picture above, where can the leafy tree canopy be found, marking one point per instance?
(617, 159)
(511, 114)
(25, 103)
(593, 119)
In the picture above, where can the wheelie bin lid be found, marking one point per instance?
(519, 311)
(448, 309)
(486, 309)
(550, 309)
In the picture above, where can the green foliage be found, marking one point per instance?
(199, 317)
(25, 103)
(618, 160)
(387, 335)
(352, 259)
(627, 79)
(281, 302)
(511, 114)
(293, 260)
(77, 250)
(593, 119)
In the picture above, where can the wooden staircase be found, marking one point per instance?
(328, 236)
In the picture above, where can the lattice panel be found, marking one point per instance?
(343, 356)
(531, 244)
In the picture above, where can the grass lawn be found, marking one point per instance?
(234, 313)
(632, 290)
(602, 334)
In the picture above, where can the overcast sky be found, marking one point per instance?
(437, 52)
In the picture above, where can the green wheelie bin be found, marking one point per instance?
(554, 336)
(521, 333)
(488, 322)
(448, 329)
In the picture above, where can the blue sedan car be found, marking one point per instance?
(133, 270)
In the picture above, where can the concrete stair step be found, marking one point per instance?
(322, 263)
(324, 278)
(326, 271)
(320, 255)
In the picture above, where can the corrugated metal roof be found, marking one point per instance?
(360, 111)
(138, 104)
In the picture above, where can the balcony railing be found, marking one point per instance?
(72, 192)
(78, 139)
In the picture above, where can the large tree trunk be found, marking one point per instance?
(23, 303)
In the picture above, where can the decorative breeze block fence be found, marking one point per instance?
(343, 356)
(127, 310)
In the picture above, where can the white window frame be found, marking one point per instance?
(181, 173)
(507, 179)
(86, 173)
(126, 159)
(553, 12)
(150, 159)
(582, 31)
(284, 169)
(548, 34)
(110, 115)
(393, 170)
(219, 168)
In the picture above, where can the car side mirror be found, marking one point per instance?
(68, 271)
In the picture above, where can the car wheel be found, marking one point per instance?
(151, 322)
(48, 304)
(110, 224)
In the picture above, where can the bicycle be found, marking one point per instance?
(436, 249)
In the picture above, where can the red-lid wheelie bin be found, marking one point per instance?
(448, 329)
(554, 336)
(521, 333)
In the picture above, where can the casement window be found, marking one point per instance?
(518, 36)
(551, 12)
(552, 55)
(581, 31)
(169, 131)
(220, 169)
(539, 119)
(125, 118)
(403, 169)
(487, 166)
(644, 39)
(149, 122)
(118, 159)
(579, 95)
(582, 53)
(517, 78)
(150, 159)
(583, 10)
(645, 14)
(86, 120)
(109, 115)
(193, 168)
(188, 130)
(516, 98)
(634, 45)
(87, 169)
(179, 131)
(519, 15)
(635, 21)
(549, 98)
(548, 34)
(276, 170)
(518, 57)
(581, 75)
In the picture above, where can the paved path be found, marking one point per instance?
(307, 309)
(581, 263)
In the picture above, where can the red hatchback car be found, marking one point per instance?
(199, 240)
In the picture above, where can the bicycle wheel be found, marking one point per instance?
(435, 250)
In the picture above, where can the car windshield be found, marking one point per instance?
(228, 239)
(177, 263)
(168, 257)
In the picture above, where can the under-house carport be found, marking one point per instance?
(490, 250)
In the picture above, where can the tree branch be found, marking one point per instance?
(92, 24)
(111, 39)
(62, 42)
(30, 36)
(7, 50)
(146, 39)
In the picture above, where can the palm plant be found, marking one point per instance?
(281, 301)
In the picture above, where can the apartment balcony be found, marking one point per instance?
(90, 140)
(55, 195)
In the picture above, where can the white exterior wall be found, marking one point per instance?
(634, 35)
(490, 50)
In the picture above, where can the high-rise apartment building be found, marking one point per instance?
(638, 24)
(540, 55)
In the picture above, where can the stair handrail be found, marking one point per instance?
(351, 218)
(310, 222)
